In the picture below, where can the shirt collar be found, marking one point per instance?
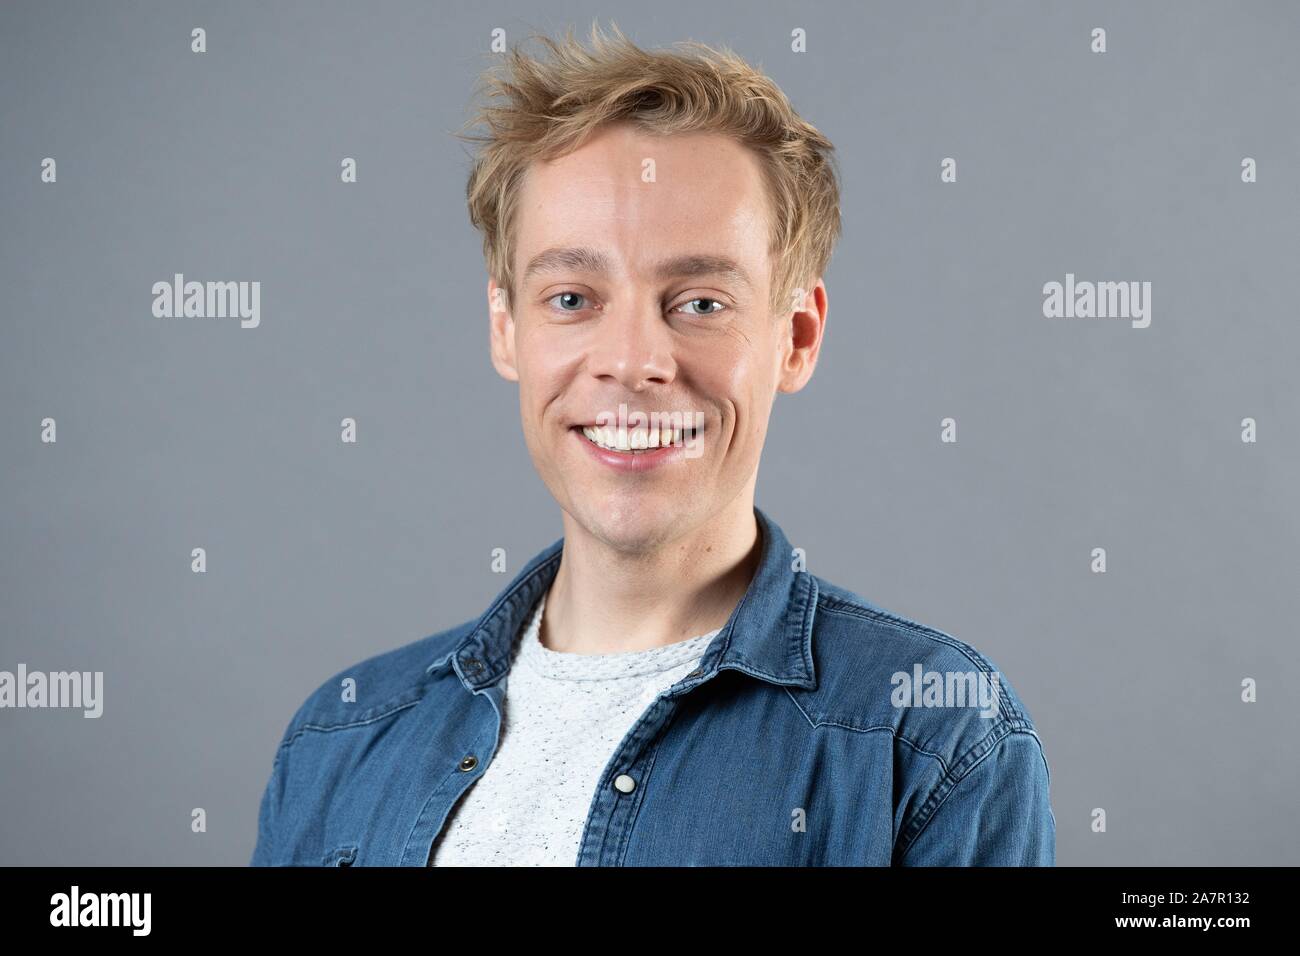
(768, 636)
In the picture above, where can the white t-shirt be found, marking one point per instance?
(564, 715)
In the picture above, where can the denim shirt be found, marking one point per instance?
(817, 730)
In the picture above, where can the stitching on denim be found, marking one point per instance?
(927, 813)
(811, 723)
(519, 586)
(869, 729)
(641, 736)
(1015, 723)
(1042, 752)
(811, 593)
(942, 791)
(745, 667)
(921, 750)
(729, 629)
(303, 728)
(630, 741)
(505, 599)
(586, 826)
(415, 824)
(275, 804)
(855, 610)
(636, 811)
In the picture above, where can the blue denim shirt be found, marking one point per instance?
(812, 733)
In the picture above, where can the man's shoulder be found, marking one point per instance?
(877, 670)
(374, 687)
(889, 639)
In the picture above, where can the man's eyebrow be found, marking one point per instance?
(581, 259)
(696, 266)
(560, 259)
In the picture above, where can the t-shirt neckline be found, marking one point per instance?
(565, 665)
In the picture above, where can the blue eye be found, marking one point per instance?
(710, 311)
(568, 296)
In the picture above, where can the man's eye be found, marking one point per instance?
(709, 303)
(567, 301)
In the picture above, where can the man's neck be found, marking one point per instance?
(605, 601)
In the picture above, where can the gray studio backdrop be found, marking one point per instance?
(1072, 433)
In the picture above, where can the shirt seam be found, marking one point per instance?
(928, 812)
(874, 728)
(1005, 704)
(303, 728)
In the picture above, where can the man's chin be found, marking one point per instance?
(630, 524)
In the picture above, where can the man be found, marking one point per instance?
(664, 685)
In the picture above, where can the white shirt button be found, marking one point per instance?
(624, 784)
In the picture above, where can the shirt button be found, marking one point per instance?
(695, 673)
(624, 784)
(473, 664)
(469, 762)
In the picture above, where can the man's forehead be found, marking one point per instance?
(708, 164)
(686, 215)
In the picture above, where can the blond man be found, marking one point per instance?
(666, 684)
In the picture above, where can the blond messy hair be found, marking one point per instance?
(538, 109)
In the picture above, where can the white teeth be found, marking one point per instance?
(639, 439)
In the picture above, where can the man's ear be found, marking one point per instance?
(501, 333)
(804, 332)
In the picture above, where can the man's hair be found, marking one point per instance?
(544, 109)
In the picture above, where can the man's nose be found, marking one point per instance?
(632, 345)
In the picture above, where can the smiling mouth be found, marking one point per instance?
(637, 441)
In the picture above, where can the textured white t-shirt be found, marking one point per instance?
(563, 717)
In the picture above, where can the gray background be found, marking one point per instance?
(1076, 434)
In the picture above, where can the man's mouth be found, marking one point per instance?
(635, 441)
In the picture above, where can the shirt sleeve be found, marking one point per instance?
(999, 813)
(266, 817)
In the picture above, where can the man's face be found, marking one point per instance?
(642, 279)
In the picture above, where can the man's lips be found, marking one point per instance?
(629, 460)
